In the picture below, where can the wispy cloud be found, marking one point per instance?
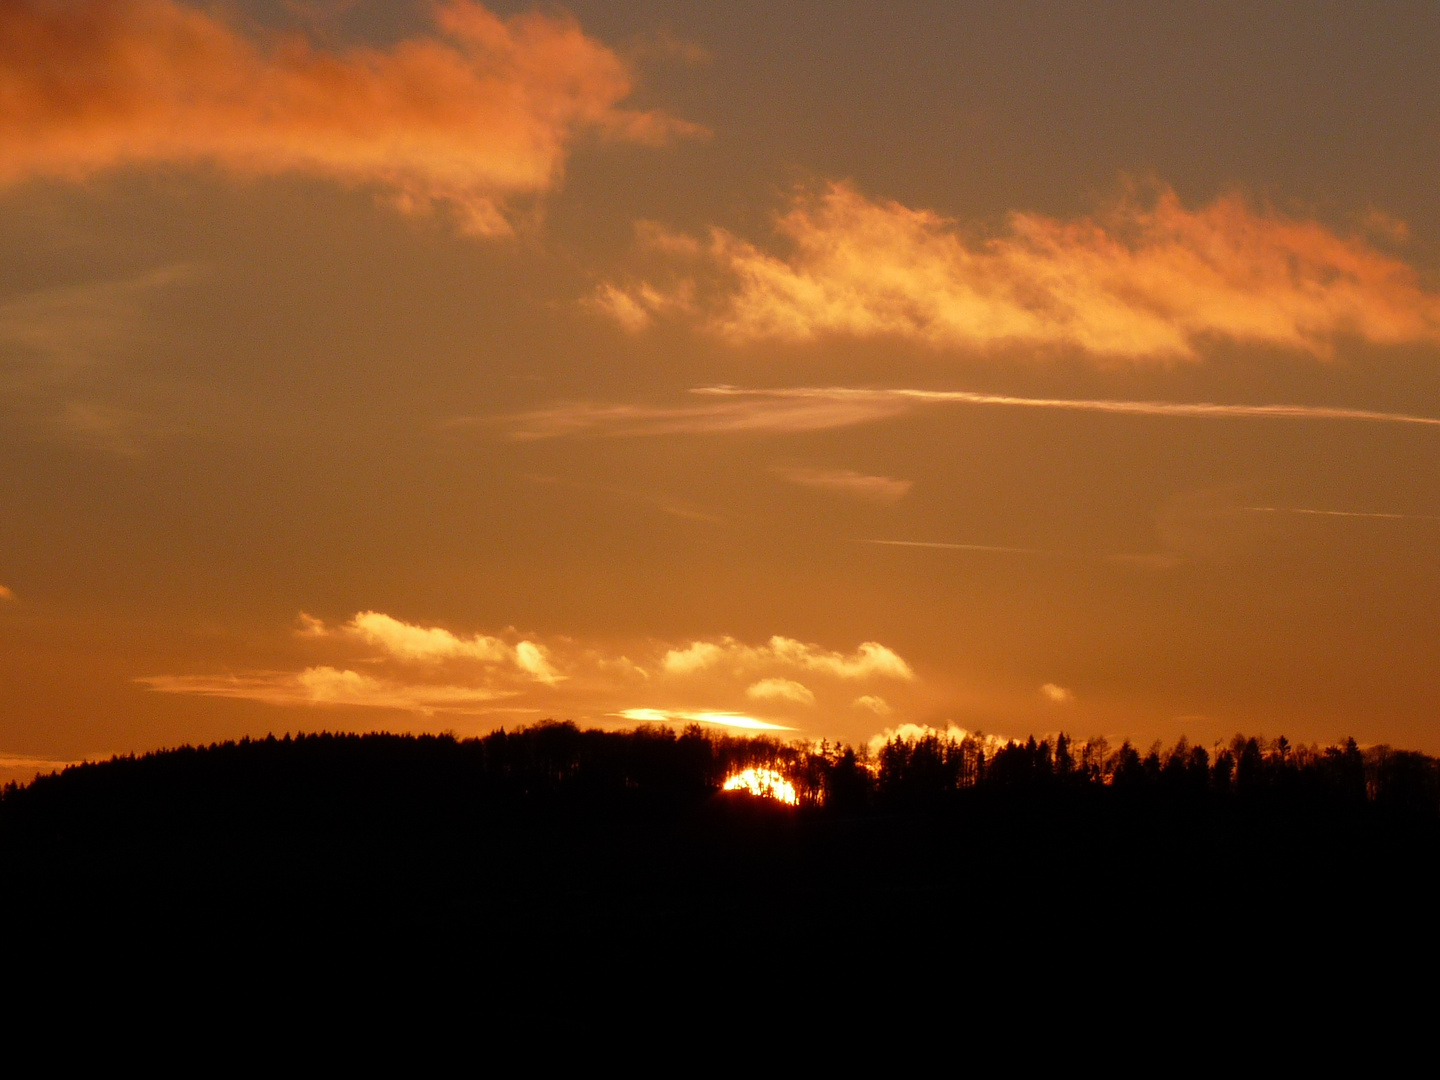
(956, 547)
(57, 348)
(659, 500)
(1058, 695)
(1341, 513)
(325, 685)
(834, 395)
(1147, 279)
(478, 111)
(69, 327)
(738, 415)
(725, 410)
(22, 768)
(38, 764)
(883, 489)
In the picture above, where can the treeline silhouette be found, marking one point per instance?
(555, 764)
(576, 836)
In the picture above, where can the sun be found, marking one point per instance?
(767, 783)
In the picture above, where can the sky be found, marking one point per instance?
(814, 369)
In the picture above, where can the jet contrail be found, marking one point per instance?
(1341, 513)
(1134, 408)
(957, 547)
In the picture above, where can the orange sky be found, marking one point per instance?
(815, 368)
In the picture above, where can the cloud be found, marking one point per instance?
(1340, 513)
(780, 690)
(696, 656)
(481, 110)
(39, 764)
(845, 482)
(719, 719)
(408, 642)
(870, 659)
(1057, 694)
(827, 396)
(739, 415)
(330, 686)
(310, 626)
(658, 500)
(530, 658)
(379, 661)
(22, 768)
(634, 308)
(878, 705)
(67, 328)
(734, 410)
(57, 348)
(6, 594)
(1148, 279)
(955, 547)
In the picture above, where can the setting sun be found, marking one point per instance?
(767, 783)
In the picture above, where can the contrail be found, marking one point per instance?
(1341, 513)
(957, 547)
(1134, 408)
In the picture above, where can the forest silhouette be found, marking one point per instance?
(576, 837)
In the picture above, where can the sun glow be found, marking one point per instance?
(723, 719)
(767, 783)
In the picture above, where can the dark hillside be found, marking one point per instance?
(551, 834)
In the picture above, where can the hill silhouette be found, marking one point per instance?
(572, 837)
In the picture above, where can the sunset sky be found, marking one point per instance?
(821, 368)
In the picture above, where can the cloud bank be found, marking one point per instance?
(375, 660)
(1149, 279)
(478, 112)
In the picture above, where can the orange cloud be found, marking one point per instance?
(847, 482)
(477, 113)
(6, 594)
(719, 719)
(405, 641)
(737, 410)
(325, 685)
(1149, 279)
(870, 659)
(377, 661)
(408, 642)
(781, 690)
(738, 415)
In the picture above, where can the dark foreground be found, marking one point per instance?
(551, 840)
